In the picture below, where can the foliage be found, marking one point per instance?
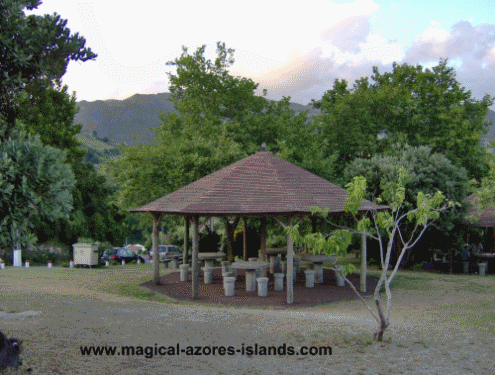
(34, 48)
(92, 216)
(47, 109)
(384, 227)
(410, 104)
(428, 172)
(486, 190)
(34, 182)
(220, 120)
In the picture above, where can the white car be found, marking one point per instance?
(167, 251)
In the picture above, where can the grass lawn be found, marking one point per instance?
(463, 299)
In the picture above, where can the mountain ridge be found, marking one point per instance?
(119, 120)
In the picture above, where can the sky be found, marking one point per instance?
(294, 49)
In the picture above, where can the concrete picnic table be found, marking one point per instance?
(250, 268)
(318, 261)
(210, 257)
(272, 255)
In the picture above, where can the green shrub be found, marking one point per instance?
(114, 263)
(41, 257)
(64, 264)
(132, 262)
(417, 267)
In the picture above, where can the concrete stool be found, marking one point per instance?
(251, 282)
(482, 268)
(225, 266)
(208, 272)
(184, 272)
(340, 279)
(175, 264)
(318, 273)
(297, 264)
(228, 286)
(262, 286)
(279, 282)
(225, 275)
(310, 278)
(284, 266)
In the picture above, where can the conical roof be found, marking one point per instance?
(261, 184)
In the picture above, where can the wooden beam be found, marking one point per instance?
(290, 266)
(186, 239)
(154, 245)
(195, 248)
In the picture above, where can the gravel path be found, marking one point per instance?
(52, 338)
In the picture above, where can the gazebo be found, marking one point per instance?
(259, 185)
(487, 217)
(484, 220)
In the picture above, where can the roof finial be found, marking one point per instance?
(263, 146)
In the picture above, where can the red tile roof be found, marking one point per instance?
(261, 184)
(487, 218)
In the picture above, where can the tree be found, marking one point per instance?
(411, 104)
(220, 121)
(32, 48)
(428, 172)
(47, 109)
(34, 183)
(384, 227)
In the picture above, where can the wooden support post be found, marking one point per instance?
(244, 246)
(262, 252)
(363, 263)
(154, 245)
(186, 239)
(195, 248)
(290, 266)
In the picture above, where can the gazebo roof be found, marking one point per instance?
(260, 184)
(487, 217)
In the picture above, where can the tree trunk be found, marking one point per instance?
(154, 243)
(186, 239)
(230, 229)
(378, 335)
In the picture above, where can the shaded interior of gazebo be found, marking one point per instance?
(259, 185)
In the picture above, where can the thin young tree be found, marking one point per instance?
(382, 226)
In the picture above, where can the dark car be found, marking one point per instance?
(167, 251)
(119, 253)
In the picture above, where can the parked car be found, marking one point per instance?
(119, 253)
(167, 251)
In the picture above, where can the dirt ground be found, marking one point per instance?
(431, 332)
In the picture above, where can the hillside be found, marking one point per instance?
(119, 120)
(97, 148)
